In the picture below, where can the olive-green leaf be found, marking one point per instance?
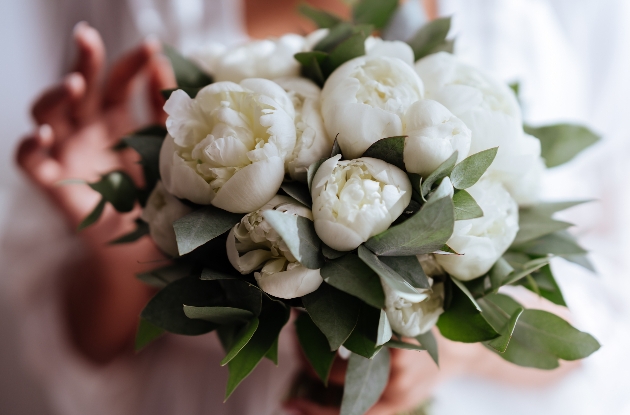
(321, 18)
(93, 216)
(470, 170)
(142, 229)
(546, 286)
(312, 169)
(298, 233)
(298, 191)
(353, 276)
(334, 312)
(365, 381)
(500, 344)
(441, 172)
(409, 268)
(428, 341)
(201, 226)
(425, 232)
(163, 276)
(390, 150)
(384, 331)
(187, 73)
(330, 253)
(396, 344)
(390, 277)
(562, 142)
(241, 339)
(219, 315)
(146, 334)
(315, 346)
(431, 38)
(557, 243)
(374, 12)
(465, 206)
(118, 189)
(464, 289)
(351, 48)
(364, 338)
(534, 223)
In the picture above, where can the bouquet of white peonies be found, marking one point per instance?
(379, 187)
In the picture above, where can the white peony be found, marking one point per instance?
(313, 143)
(365, 100)
(254, 245)
(375, 46)
(356, 199)
(410, 317)
(490, 110)
(482, 241)
(228, 146)
(433, 135)
(161, 210)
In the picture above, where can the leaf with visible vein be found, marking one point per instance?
(470, 170)
(365, 381)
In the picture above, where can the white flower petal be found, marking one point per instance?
(293, 283)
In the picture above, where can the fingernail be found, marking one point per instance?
(152, 42)
(80, 27)
(45, 134)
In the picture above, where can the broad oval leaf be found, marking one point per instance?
(562, 142)
(365, 381)
(390, 150)
(431, 38)
(470, 170)
(397, 344)
(315, 346)
(118, 189)
(93, 216)
(441, 172)
(187, 73)
(424, 233)
(146, 334)
(374, 12)
(298, 233)
(353, 276)
(465, 206)
(557, 243)
(409, 268)
(428, 341)
(219, 315)
(241, 339)
(298, 191)
(321, 18)
(201, 226)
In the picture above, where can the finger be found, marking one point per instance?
(304, 407)
(161, 76)
(124, 72)
(52, 107)
(90, 63)
(34, 159)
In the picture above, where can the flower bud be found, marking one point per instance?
(161, 210)
(254, 245)
(411, 318)
(356, 199)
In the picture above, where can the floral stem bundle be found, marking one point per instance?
(379, 187)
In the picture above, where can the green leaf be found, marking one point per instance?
(364, 337)
(240, 340)
(431, 38)
(465, 206)
(212, 275)
(396, 344)
(428, 341)
(315, 346)
(384, 331)
(353, 276)
(330, 253)
(298, 191)
(334, 312)
(161, 277)
(462, 321)
(165, 310)
(533, 223)
(416, 186)
(549, 208)
(146, 334)
(581, 260)
(470, 170)
(272, 354)
(409, 268)
(388, 149)
(335, 37)
(524, 270)
(147, 143)
(425, 232)
(557, 243)
(547, 286)
(118, 189)
(388, 276)
(312, 65)
(336, 148)
(365, 381)
(201, 226)
(273, 317)
(351, 48)
(561, 142)
(374, 12)
(298, 233)
(142, 229)
(500, 344)
(219, 315)
(464, 289)
(187, 73)
(312, 169)
(441, 172)
(321, 18)
(93, 216)
(241, 294)
(499, 273)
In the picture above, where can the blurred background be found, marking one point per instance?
(571, 58)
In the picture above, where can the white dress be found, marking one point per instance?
(570, 59)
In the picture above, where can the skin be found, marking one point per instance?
(77, 122)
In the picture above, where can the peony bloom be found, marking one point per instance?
(482, 241)
(410, 317)
(375, 46)
(228, 146)
(254, 245)
(490, 110)
(161, 211)
(433, 135)
(365, 100)
(313, 143)
(354, 200)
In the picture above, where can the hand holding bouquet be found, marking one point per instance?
(380, 187)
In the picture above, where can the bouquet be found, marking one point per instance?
(380, 188)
